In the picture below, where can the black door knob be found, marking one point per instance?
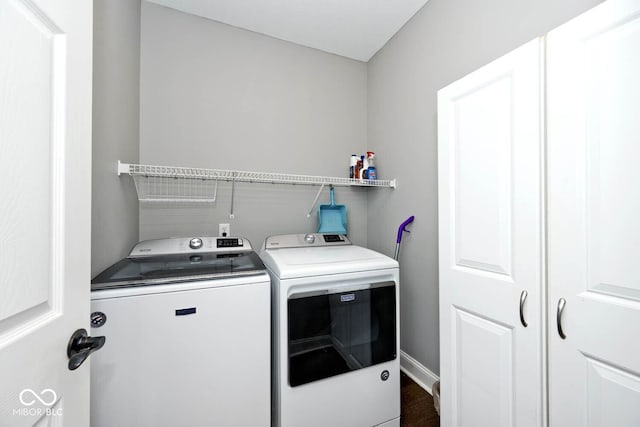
(80, 346)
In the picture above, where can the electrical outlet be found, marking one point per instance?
(224, 230)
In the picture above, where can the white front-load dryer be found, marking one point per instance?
(335, 331)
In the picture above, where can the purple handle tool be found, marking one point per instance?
(401, 229)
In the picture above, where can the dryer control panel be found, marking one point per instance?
(305, 240)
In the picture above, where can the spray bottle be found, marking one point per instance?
(371, 169)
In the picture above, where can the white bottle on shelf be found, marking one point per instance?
(365, 168)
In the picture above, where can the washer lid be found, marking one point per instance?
(290, 263)
(160, 269)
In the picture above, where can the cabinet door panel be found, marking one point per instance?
(483, 369)
(594, 211)
(489, 149)
(612, 394)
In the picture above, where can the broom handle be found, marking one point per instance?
(401, 229)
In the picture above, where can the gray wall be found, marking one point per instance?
(116, 76)
(219, 97)
(444, 41)
(215, 96)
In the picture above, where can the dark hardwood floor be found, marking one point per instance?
(417, 408)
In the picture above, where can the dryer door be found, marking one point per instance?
(332, 332)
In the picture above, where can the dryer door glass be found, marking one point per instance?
(331, 333)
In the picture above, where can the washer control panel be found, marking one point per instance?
(190, 245)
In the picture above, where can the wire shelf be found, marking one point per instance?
(169, 183)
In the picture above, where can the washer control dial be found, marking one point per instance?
(195, 243)
(309, 238)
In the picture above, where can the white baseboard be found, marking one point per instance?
(417, 372)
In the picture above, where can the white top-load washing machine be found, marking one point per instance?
(187, 336)
(335, 332)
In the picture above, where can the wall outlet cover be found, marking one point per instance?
(224, 230)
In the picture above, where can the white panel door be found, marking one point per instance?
(45, 184)
(489, 162)
(594, 217)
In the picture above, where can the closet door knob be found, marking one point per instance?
(523, 299)
(561, 303)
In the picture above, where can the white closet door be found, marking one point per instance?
(594, 217)
(489, 160)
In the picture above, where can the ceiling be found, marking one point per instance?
(355, 29)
